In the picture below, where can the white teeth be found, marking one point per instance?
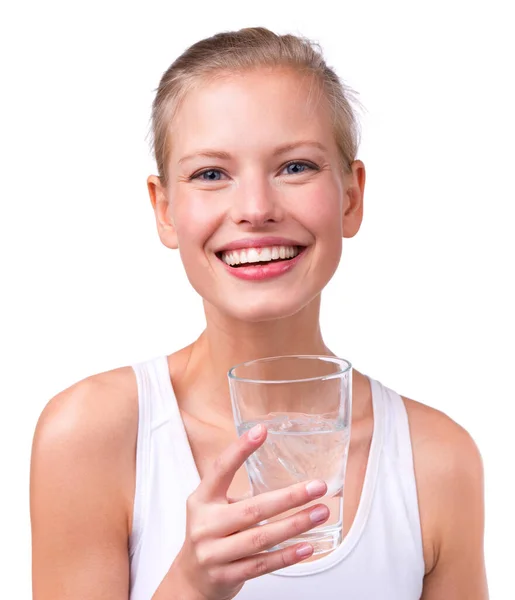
(266, 254)
(252, 255)
(259, 255)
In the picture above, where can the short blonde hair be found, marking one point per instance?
(242, 50)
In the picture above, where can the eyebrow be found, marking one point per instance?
(220, 154)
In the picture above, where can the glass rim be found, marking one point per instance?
(324, 357)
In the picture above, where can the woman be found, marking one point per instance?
(138, 485)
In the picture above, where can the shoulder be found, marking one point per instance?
(82, 488)
(434, 434)
(90, 430)
(442, 448)
(449, 475)
(102, 408)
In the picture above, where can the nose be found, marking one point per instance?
(256, 203)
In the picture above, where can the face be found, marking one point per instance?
(256, 199)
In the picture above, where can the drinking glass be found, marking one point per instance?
(305, 403)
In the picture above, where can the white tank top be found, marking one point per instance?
(381, 557)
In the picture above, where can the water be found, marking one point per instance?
(300, 447)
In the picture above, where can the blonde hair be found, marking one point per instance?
(243, 50)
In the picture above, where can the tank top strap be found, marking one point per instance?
(399, 452)
(157, 407)
(160, 401)
(143, 452)
(153, 410)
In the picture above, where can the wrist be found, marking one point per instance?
(175, 586)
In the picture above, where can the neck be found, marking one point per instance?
(230, 342)
(227, 342)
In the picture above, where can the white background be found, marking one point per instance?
(423, 300)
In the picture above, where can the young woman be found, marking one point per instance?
(138, 486)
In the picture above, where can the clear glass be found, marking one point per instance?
(305, 402)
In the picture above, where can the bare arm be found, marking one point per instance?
(449, 474)
(460, 569)
(81, 492)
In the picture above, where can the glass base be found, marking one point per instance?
(323, 540)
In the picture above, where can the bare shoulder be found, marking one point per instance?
(432, 431)
(449, 476)
(102, 408)
(94, 420)
(82, 487)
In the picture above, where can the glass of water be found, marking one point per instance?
(305, 403)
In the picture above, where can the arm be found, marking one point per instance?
(459, 571)
(449, 475)
(81, 492)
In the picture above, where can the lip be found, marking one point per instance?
(265, 270)
(263, 242)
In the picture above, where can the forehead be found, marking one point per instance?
(255, 109)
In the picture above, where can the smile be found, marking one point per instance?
(256, 256)
(258, 264)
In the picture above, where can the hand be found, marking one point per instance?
(223, 545)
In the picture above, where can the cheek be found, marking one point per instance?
(195, 220)
(321, 212)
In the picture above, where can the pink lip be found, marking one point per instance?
(266, 270)
(264, 242)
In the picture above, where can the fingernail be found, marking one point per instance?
(316, 488)
(319, 514)
(255, 432)
(304, 550)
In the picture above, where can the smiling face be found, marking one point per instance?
(254, 175)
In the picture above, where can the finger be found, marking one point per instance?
(266, 562)
(251, 511)
(264, 537)
(218, 478)
(235, 499)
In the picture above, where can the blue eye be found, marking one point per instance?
(297, 167)
(208, 175)
(293, 168)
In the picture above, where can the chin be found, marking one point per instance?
(261, 303)
(261, 310)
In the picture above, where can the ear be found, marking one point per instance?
(161, 206)
(353, 202)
